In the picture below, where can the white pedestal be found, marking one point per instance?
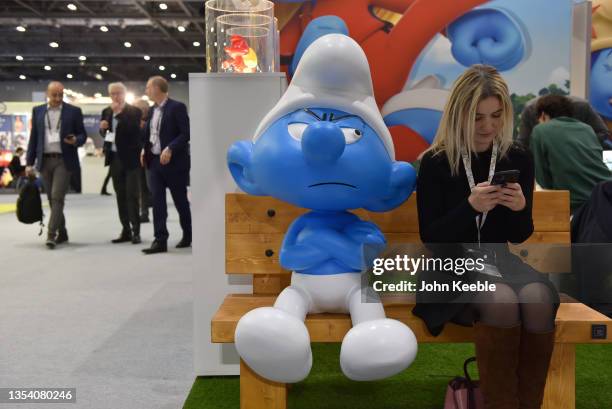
(224, 108)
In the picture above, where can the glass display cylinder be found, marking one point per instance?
(217, 8)
(245, 43)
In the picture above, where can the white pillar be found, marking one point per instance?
(224, 108)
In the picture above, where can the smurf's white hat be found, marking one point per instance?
(333, 73)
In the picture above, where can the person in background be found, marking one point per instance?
(567, 153)
(16, 168)
(145, 193)
(57, 131)
(120, 128)
(167, 158)
(514, 322)
(581, 110)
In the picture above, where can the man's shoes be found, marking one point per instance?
(144, 218)
(156, 247)
(105, 193)
(136, 239)
(62, 237)
(184, 243)
(51, 243)
(124, 238)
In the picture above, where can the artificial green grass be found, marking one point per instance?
(422, 386)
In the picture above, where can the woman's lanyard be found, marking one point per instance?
(467, 163)
(59, 122)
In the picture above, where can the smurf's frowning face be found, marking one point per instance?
(322, 159)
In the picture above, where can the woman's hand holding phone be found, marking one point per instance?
(512, 197)
(485, 197)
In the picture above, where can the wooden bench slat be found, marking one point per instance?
(257, 253)
(573, 322)
(250, 214)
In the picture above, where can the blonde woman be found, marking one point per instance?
(514, 320)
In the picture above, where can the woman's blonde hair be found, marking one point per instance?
(457, 126)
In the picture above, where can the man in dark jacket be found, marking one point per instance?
(120, 128)
(166, 154)
(57, 132)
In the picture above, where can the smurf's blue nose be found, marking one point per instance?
(322, 143)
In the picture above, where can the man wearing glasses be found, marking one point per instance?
(57, 132)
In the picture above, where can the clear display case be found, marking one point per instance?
(241, 36)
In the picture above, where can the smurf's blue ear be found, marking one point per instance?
(239, 163)
(401, 185)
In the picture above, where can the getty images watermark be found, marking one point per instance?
(404, 264)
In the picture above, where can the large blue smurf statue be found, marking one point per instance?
(325, 147)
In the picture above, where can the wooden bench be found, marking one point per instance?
(255, 227)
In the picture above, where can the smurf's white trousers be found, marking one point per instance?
(274, 341)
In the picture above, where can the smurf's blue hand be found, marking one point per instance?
(488, 36)
(364, 232)
(299, 257)
(308, 243)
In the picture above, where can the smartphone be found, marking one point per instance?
(506, 176)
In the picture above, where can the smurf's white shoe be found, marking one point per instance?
(274, 344)
(377, 349)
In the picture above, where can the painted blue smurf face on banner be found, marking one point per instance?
(322, 158)
(601, 82)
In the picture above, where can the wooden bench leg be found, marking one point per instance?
(259, 393)
(560, 390)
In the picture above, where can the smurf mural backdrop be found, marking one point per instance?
(601, 60)
(416, 49)
(325, 147)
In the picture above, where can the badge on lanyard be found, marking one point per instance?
(53, 135)
(467, 164)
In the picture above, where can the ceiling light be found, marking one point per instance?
(181, 29)
(146, 57)
(103, 29)
(71, 7)
(104, 68)
(163, 6)
(19, 58)
(129, 97)
(69, 76)
(97, 95)
(22, 77)
(82, 58)
(53, 44)
(98, 76)
(161, 68)
(47, 68)
(127, 44)
(21, 29)
(196, 43)
(173, 75)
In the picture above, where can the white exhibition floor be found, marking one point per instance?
(101, 317)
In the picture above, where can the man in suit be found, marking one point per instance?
(120, 128)
(167, 158)
(57, 132)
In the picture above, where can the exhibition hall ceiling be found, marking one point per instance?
(116, 40)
